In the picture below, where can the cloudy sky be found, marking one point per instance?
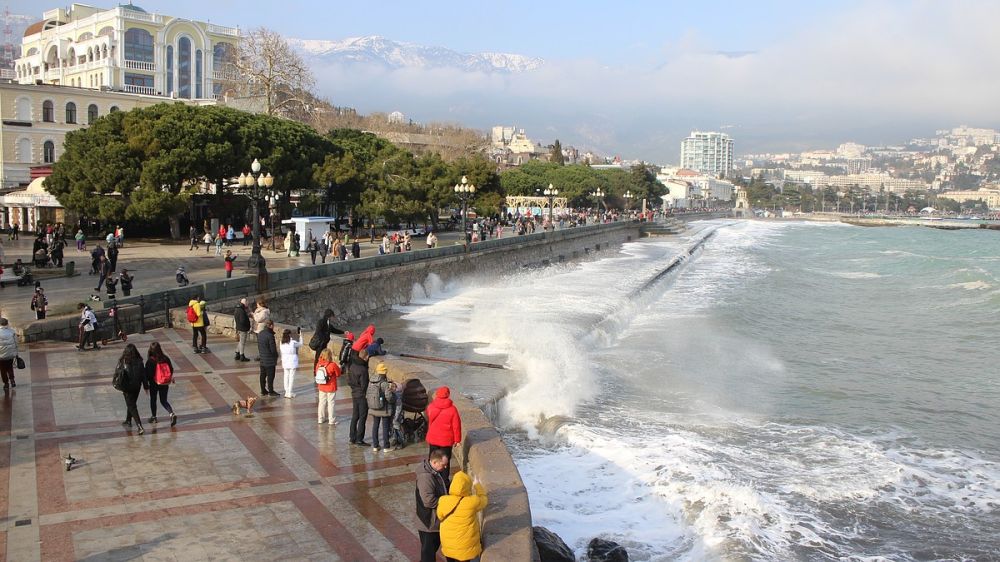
(633, 78)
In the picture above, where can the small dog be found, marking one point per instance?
(248, 404)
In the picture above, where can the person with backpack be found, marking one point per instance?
(197, 315)
(159, 376)
(130, 379)
(444, 425)
(378, 394)
(458, 513)
(357, 378)
(241, 322)
(290, 359)
(344, 357)
(326, 373)
(268, 351)
(8, 353)
(431, 486)
(322, 335)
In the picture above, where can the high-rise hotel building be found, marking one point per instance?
(708, 152)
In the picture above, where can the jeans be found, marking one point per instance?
(131, 398)
(241, 346)
(161, 390)
(289, 382)
(325, 410)
(266, 379)
(385, 422)
(7, 372)
(195, 332)
(359, 415)
(429, 545)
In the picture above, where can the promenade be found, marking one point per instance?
(217, 486)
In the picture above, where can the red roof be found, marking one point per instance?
(687, 172)
(34, 28)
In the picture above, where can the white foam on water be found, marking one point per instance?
(855, 274)
(971, 286)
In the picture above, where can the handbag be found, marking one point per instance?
(18, 362)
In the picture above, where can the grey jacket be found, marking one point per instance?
(8, 343)
(431, 485)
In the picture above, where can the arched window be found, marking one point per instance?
(184, 67)
(197, 73)
(72, 56)
(170, 69)
(107, 31)
(71, 112)
(86, 36)
(48, 152)
(48, 112)
(24, 150)
(31, 52)
(114, 109)
(138, 45)
(91, 114)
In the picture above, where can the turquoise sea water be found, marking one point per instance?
(794, 391)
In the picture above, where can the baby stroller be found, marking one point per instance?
(410, 418)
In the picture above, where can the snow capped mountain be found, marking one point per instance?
(373, 49)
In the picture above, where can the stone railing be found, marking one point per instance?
(140, 65)
(221, 30)
(146, 90)
(140, 16)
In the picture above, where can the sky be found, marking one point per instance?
(634, 78)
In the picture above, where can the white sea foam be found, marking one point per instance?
(855, 274)
(971, 286)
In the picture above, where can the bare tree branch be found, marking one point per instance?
(271, 70)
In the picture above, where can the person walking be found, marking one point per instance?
(219, 241)
(39, 303)
(324, 248)
(126, 281)
(228, 266)
(55, 251)
(444, 425)
(268, 351)
(357, 378)
(326, 374)
(8, 354)
(104, 270)
(81, 240)
(196, 310)
(113, 256)
(134, 380)
(290, 360)
(246, 234)
(431, 486)
(356, 249)
(459, 515)
(159, 376)
(322, 334)
(207, 239)
(87, 327)
(241, 321)
(313, 249)
(193, 235)
(378, 394)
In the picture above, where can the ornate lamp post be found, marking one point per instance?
(273, 208)
(256, 185)
(597, 194)
(628, 199)
(551, 193)
(465, 191)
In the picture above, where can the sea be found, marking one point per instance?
(752, 390)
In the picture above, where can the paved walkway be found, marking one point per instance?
(217, 486)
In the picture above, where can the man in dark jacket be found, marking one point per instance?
(268, 350)
(113, 256)
(321, 336)
(357, 378)
(241, 321)
(431, 485)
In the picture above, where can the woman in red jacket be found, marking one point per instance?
(444, 425)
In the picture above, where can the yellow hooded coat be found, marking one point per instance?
(458, 513)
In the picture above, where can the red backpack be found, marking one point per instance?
(164, 374)
(192, 314)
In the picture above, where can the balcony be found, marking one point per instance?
(140, 16)
(220, 30)
(140, 65)
(229, 75)
(144, 90)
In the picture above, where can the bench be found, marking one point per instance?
(9, 277)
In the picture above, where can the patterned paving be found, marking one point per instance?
(275, 485)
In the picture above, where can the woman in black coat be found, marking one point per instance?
(130, 363)
(321, 336)
(154, 358)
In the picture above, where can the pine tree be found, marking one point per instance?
(557, 154)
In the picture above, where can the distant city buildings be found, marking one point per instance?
(989, 196)
(691, 188)
(708, 152)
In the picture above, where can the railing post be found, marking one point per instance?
(166, 309)
(142, 314)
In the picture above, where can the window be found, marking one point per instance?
(138, 45)
(87, 36)
(184, 67)
(49, 152)
(114, 109)
(138, 80)
(170, 69)
(107, 31)
(91, 114)
(197, 74)
(48, 112)
(71, 112)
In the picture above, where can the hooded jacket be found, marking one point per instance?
(199, 309)
(444, 426)
(458, 513)
(431, 486)
(365, 339)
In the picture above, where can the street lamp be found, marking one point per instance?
(464, 190)
(597, 194)
(628, 199)
(551, 193)
(257, 185)
(273, 208)
(840, 198)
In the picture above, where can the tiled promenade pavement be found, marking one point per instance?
(274, 486)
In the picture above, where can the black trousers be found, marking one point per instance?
(266, 379)
(196, 331)
(131, 399)
(429, 545)
(7, 371)
(158, 390)
(359, 415)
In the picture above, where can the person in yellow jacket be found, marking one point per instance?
(458, 513)
(198, 326)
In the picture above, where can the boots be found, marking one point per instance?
(244, 358)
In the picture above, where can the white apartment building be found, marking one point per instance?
(989, 196)
(708, 152)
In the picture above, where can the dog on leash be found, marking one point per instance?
(248, 404)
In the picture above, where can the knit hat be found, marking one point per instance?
(382, 369)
